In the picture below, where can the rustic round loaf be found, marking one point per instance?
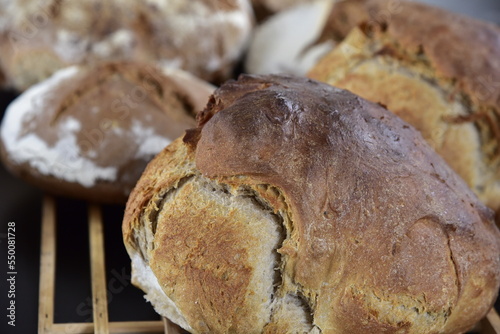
(437, 70)
(39, 37)
(88, 132)
(297, 207)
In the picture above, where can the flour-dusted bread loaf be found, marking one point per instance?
(88, 132)
(437, 70)
(297, 207)
(204, 37)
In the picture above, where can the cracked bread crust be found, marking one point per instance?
(437, 70)
(373, 231)
(89, 132)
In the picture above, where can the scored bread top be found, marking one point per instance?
(89, 131)
(380, 234)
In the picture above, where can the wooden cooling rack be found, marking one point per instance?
(101, 323)
(489, 325)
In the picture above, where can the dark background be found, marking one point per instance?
(21, 204)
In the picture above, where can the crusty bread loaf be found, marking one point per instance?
(88, 132)
(39, 37)
(297, 207)
(437, 70)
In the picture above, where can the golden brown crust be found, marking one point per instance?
(345, 15)
(380, 233)
(435, 69)
(155, 178)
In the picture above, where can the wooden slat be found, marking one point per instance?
(98, 273)
(171, 328)
(121, 327)
(47, 266)
(494, 320)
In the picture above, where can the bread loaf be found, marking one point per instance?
(437, 70)
(88, 132)
(297, 207)
(39, 37)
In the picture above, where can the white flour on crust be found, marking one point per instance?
(63, 159)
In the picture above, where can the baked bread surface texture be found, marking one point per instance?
(297, 207)
(437, 70)
(88, 132)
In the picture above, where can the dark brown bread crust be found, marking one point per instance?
(384, 236)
